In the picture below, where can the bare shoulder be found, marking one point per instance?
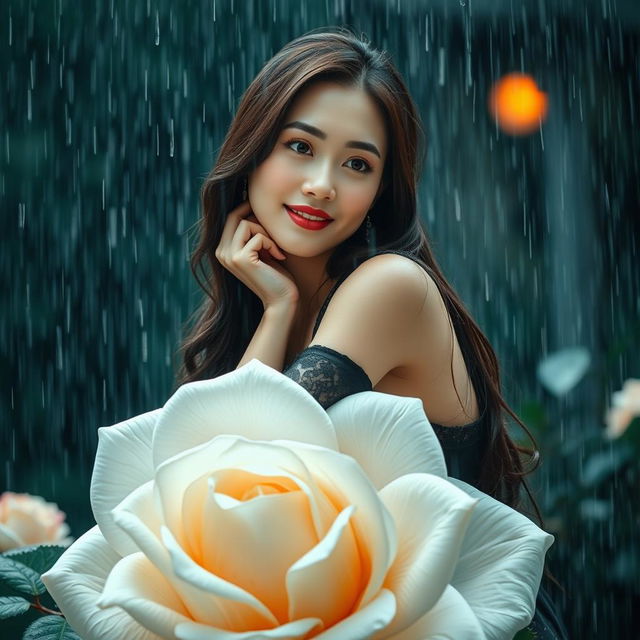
(395, 281)
(373, 317)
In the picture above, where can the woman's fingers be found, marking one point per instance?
(256, 244)
(252, 219)
(247, 231)
(231, 224)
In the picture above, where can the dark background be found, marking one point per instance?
(113, 112)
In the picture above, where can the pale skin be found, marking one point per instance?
(388, 315)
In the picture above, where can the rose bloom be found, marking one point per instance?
(242, 509)
(26, 520)
(626, 406)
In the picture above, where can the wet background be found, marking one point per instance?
(112, 113)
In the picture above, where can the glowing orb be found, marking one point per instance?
(517, 105)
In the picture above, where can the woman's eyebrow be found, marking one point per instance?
(352, 144)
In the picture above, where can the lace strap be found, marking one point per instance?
(327, 375)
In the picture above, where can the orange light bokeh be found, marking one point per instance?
(517, 104)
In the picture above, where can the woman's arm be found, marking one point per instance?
(269, 342)
(247, 251)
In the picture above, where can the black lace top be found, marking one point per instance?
(330, 376)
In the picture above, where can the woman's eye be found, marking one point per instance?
(294, 142)
(361, 165)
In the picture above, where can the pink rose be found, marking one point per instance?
(626, 406)
(27, 520)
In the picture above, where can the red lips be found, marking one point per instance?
(310, 210)
(311, 225)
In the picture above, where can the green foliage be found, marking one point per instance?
(20, 578)
(13, 606)
(50, 628)
(40, 558)
(600, 465)
(20, 571)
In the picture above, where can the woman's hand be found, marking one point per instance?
(248, 252)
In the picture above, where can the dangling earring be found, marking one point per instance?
(244, 189)
(367, 232)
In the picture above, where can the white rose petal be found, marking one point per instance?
(342, 478)
(123, 463)
(431, 517)
(279, 408)
(451, 618)
(136, 586)
(77, 580)
(333, 561)
(208, 598)
(499, 569)
(388, 435)
(297, 630)
(365, 622)
(229, 607)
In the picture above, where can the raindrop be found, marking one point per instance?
(426, 32)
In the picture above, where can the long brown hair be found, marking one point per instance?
(231, 312)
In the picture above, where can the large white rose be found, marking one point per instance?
(243, 510)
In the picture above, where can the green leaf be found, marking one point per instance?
(525, 634)
(13, 606)
(50, 628)
(39, 557)
(20, 578)
(599, 466)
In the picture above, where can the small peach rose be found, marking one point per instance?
(27, 520)
(625, 407)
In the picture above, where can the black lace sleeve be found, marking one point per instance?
(327, 375)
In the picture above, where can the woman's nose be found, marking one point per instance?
(319, 186)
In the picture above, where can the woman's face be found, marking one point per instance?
(330, 156)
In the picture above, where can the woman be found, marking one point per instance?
(319, 265)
